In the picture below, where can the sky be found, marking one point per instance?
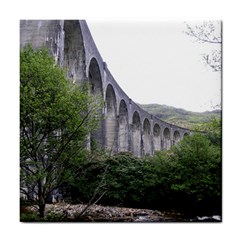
(156, 62)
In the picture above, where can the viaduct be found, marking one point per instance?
(125, 126)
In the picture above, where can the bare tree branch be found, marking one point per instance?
(208, 32)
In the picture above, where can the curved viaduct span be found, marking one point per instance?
(126, 126)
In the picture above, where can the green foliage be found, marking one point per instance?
(53, 217)
(187, 178)
(196, 176)
(213, 130)
(55, 118)
(89, 181)
(125, 178)
(29, 217)
(34, 217)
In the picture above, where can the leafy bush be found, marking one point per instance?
(196, 176)
(125, 179)
(29, 217)
(186, 178)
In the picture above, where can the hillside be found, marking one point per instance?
(178, 116)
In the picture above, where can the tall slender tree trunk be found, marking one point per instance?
(42, 207)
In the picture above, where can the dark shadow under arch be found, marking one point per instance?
(176, 137)
(74, 53)
(95, 79)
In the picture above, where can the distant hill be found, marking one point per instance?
(179, 116)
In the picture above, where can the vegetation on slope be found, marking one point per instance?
(180, 117)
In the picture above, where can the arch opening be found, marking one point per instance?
(95, 79)
(111, 119)
(156, 137)
(74, 54)
(96, 89)
(176, 137)
(123, 131)
(166, 139)
(147, 137)
(136, 134)
(185, 134)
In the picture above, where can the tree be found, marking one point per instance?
(196, 177)
(213, 130)
(55, 119)
(209, 32)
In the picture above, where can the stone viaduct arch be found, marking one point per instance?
(110, 119)
(96, 89)
(147, 138)
(136, 134)
(185, 134)
(176, 137)
(123, 132)
(74, 52)
(94, 78)
(156, 137)
(125, 126)
(166, 139)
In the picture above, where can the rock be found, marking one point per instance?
(216, 217)
(98, 213)
(54, 199)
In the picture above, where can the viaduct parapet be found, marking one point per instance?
(126, 126)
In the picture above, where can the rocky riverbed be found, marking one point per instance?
(96, 213)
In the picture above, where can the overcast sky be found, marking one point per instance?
(155, 62)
